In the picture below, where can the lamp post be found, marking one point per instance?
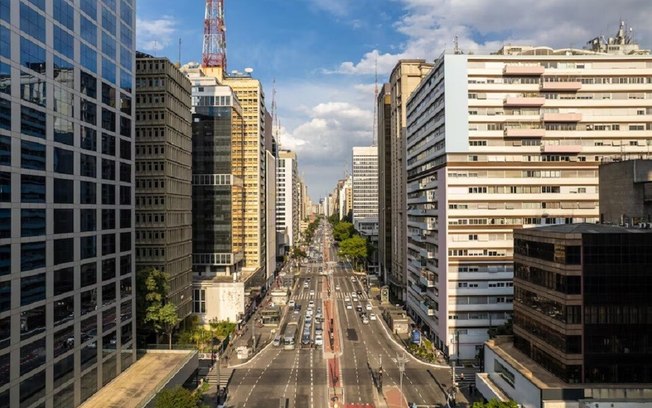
(400, 361)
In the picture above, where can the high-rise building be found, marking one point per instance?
(405, 77)
(164, 175)
(384, 105)
(345, 197)
(287, 196)
(271, 153)
(365, 183)
(217, 158)
(501, 141)
(626, 192)
(67, 307)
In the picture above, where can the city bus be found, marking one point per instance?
(290, 336)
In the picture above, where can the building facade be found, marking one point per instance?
(67, 308)
(365, 183)
(626, 192)
(287, 196)
(518, 145)
(384, 105)
(405, 77)
(164, 175)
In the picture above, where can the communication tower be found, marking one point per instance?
(214, 50)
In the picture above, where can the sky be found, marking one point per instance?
(321, 55)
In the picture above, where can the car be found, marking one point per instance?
(358, 308)
(277, 340)
(319, 340)
(349, 306)
(359, 292)
(319, 332)
(305, 340)
(309, 312)
(311, 303)
(368, 306)
(308, 318)
(337, 287)
(312, 292)
(365, 319)
(296, 311)
(305, 285)
(372, 316)
(347, 298)
(352, 278)
(291, 303)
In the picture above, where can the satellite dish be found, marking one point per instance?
(248, 70)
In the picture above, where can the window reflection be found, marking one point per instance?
(88, 301)
(64, 310)
(32, 322)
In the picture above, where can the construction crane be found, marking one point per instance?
(214, 50)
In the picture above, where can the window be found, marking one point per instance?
(64, 280)
(32, 222)
(63, 250)
(108, 244)
(64, 14)
(108, 219)
(5, 114)
(64, 191)
(88, 58)
(108, 70)
(63, 161)
(108, 169)
(88, 247)
(5, 186)
(5, 223)
(88, 165)
(63, 131)
(88, 220)
(88, 274)
(32, 23)
(88, 30)
(32, 56)
(199, 301)
(32, 289)
(89, 7)
(108, 194)
(32, 122)
(32, 189)
(64, 43)
(5, 73)
(63, 220)
(32, 155)
(87, 192)
(88, 138)
(88, 112)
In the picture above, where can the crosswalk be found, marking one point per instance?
(323, 296)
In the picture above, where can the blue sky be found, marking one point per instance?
(322, 52)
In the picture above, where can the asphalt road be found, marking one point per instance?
(298, 378)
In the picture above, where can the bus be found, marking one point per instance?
(290, 336)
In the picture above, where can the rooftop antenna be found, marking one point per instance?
(456, 46)
(179, 60)
(214, 46)
(275, 121)
(375, 125)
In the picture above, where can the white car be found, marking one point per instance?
(365, 319)
(312, 293)
(368, 306)
(291, 303)
(319, 340)
(311, 304)
(337, 287)
(347, 298)
(349, 305)
(352, 278)
(372, 316)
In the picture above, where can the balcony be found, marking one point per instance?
(431, 254)
(561, 117)
(525, 101)
(568, 149)
(523, 70)
(573, 86)
(427, 279)
(524, 132)
(428, 307)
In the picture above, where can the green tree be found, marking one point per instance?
(178, 397)
(151, 288)
(354, 248)
(494, 403)
(164, 318)
(221, 329)
(298, 253)
(343, 231)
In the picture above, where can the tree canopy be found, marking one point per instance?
(494, 403)
(154, 312)
(354, 248)
(178, 397)
(343, 231)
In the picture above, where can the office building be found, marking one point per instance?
(496, 142)
(582, 320)
(405, 77)
(384, 105)
(271, 153)
(365, 183)
(66, 199)
(287, 196)
(217, 158)
(626, 192)
(164, 175)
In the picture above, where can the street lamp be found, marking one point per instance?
(400, 361)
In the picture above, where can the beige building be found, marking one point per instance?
(405, 77)
(163, 175)
(287, 196)
(518, 145)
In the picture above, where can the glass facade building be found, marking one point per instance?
(66, 199)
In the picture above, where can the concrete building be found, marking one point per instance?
(287, 196)
(518, 144)
(405, 77)
(271, 154)
(626, 192)
(164, 175)
(345, 197)
(582, 320)
(218, 244)
(365, 183)
(67, 308)
(384, 105)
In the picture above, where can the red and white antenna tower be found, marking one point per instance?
(214, 51)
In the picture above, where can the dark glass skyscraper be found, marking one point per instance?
(66, 198)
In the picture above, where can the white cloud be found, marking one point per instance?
(430, 27)
(155, 34)
(338, 8)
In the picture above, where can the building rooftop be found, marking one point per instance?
(587, 228)
(140, 383)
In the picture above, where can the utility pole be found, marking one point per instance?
(400, 361)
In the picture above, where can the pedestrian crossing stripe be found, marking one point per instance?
(324, 296)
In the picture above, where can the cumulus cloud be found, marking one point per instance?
(430, 27)
(155, 34)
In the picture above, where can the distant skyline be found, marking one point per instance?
(322, 53)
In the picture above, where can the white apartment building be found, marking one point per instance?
(365, 182)
(287, 196)
(504, 141)
(344, 197)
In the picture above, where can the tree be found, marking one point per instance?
(178, 397)
(502, 330)
(159, 315)
(298, 253)
(354, 248)
(164, 318)
(494, 403)
(343, 231)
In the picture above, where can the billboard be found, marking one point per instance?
(415, 338)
